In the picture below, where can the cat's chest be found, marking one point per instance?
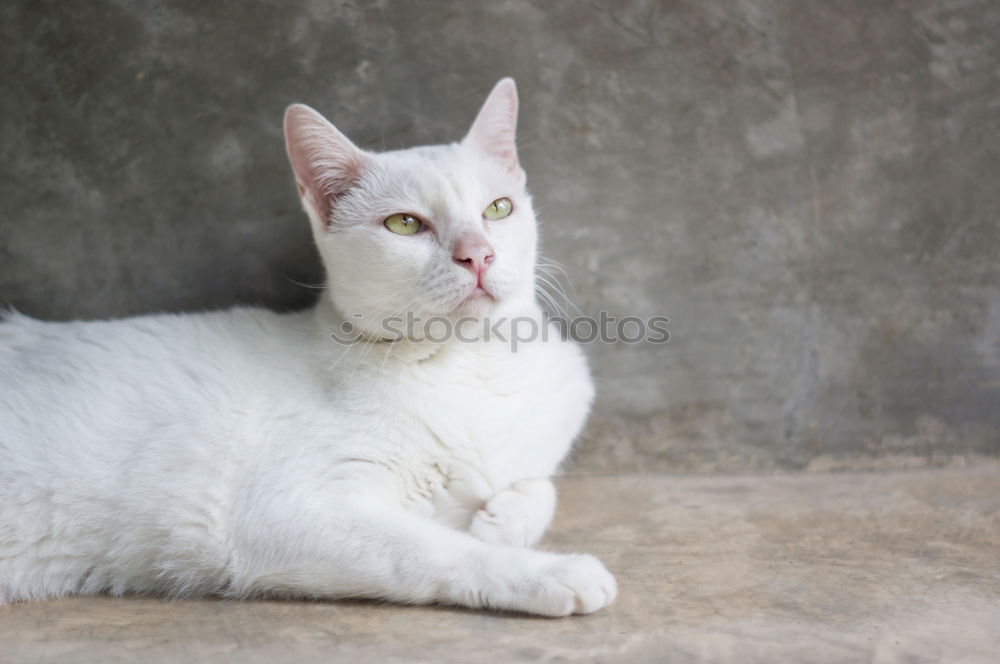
(473, 425)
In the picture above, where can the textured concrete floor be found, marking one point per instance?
(818, 568)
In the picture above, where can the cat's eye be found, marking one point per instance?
(498, 209)
(403, 224)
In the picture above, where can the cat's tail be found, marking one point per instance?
(9, 313)
(17, 330)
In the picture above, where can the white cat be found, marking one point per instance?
(246, 453)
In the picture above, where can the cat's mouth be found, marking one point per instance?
(478, 297)
(478, 292)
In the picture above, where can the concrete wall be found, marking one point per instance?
(809, 190)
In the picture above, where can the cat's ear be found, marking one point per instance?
(326, 163)
(495, 128)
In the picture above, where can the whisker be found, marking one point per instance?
(315, 286)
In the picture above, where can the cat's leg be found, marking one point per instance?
(518, 515)
(385, 552)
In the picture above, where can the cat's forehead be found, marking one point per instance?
(440, 177)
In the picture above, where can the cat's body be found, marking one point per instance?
(246, 452)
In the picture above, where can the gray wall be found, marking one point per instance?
(808, 189)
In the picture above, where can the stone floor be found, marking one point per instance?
(898, 567)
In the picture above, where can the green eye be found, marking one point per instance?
(498, 209)
(403, 224)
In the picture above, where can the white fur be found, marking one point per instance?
(244, 453)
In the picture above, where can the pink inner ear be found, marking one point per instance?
(326, 163)
(494, 130)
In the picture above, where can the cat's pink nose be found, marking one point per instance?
(474, 252)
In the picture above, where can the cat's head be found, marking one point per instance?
(444, 230)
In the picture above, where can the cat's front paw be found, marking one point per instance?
(517, 516)
(502, 520)
(570, 584)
